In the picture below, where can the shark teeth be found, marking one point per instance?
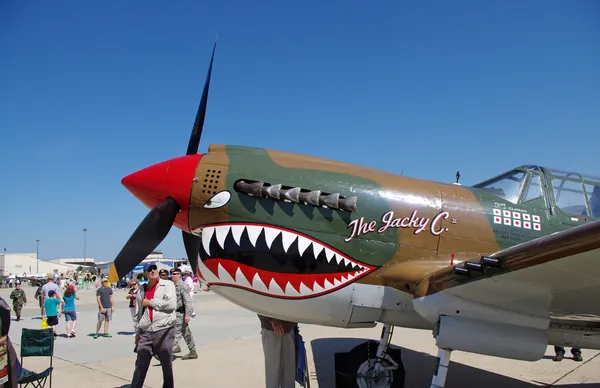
(270, 234)
(218, 272)
(220, 267)
(206, 237)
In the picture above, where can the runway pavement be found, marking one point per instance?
(230, 353)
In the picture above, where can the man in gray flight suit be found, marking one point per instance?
(184, 311)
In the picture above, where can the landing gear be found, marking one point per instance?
(380, 369)
(371, 365)
(441, 368)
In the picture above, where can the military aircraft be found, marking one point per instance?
(503, 268)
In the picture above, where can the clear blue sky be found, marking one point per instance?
(92, 91)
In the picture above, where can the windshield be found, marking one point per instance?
(507, 186)
(593, 192)
(570, 197)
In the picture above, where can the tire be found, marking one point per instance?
(350, 366)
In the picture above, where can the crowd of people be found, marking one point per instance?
(161, 310)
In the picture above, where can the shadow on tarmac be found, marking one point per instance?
(419, 368)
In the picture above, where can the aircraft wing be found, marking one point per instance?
(555, 276)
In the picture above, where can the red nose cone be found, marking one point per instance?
(172, 178)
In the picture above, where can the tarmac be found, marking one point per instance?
(230, 352)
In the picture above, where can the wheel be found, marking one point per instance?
(355, 369)
(367, 378)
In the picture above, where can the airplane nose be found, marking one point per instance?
(171, 178)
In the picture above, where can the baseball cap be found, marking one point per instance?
(176, 270)
(149, 266)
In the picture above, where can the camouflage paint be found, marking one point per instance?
(211, 178)
(406, 259)
(326, 225)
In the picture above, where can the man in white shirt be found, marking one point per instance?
(50, 285)
(189, 281)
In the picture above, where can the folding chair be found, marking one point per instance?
(302, 375)
(36, 343)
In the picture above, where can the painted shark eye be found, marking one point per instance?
(218, 200)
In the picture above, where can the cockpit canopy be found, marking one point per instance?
(570, 192)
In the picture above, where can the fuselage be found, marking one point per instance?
(318, 241)
(402, 230)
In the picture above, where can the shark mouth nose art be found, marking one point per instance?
(274, 261)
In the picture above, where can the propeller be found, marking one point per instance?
(192, 242)
(156, 225)
(199, 122)
(149, 234)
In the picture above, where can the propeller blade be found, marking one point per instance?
(148, 235)
(199, 122)
(192, 248)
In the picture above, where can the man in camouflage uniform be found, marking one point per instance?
(19, 299)
(183, 313)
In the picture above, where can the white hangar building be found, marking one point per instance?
(26, 263)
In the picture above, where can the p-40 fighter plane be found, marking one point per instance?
(501, 268)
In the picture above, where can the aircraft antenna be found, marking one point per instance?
(457, 178)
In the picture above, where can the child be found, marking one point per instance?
(51, 310)
(68, 307)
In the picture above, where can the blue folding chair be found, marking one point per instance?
(302, 376)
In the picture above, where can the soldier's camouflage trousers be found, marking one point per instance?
(182, 329)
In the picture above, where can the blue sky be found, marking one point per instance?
(92, 91)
